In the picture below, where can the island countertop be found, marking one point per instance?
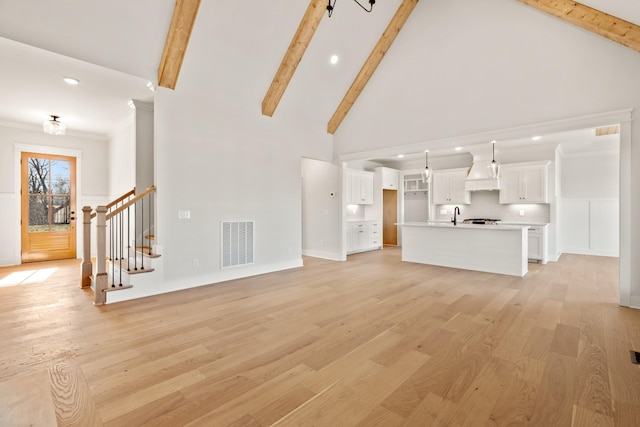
(448, 224)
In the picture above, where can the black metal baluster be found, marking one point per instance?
(128, 238)
(121, 247)
(135, 236)
(113, 264)
(142, 229)
(149, 232)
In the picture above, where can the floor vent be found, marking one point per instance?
(635, 357)
(237, 243)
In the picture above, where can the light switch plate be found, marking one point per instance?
(443, 211)
(521, 212)
(184, 214)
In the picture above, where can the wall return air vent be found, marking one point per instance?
(237, 243)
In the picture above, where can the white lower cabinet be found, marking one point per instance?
(363, 236)
(538, 243)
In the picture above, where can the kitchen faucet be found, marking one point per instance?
(455, 218)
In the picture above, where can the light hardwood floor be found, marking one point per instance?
(368, 342)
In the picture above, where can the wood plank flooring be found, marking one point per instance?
(367, 342)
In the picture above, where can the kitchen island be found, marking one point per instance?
(498, 249)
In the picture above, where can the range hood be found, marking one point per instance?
(479, 176)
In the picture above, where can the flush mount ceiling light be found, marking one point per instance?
(53, 126)
(71, 81)
(331, 6)
(494, 167)
(426, 173)
(334, 59)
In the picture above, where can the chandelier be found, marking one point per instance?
(330, 6)
(53, 126)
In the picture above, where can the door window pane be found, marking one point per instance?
(38, 214)
(60, 177)
(60, 214)
(39, 171)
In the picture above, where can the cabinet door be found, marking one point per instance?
(440, 189)
(534, 185)
(350, 242)
(366, 189)
(457, 193)
(389, 179)
(510, 186)
(535, 245)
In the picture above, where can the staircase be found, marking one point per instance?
(125, 247)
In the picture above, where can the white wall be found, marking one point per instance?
(122, 157)
(144, 156)
(321, 209)
(225, 164)
(590, 199)
(91, 178)
(512, 68)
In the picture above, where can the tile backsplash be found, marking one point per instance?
(485, 204)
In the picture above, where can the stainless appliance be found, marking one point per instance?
(483, 221)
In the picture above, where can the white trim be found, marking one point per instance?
(20, 148)
(581, 122)
(141, 105)
(626, 199)
(333, 256)
(38, 128)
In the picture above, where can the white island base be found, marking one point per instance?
(498, 249)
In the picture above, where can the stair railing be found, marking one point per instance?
(116, 217)
(86, 270)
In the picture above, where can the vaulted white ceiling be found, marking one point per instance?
(236, 47)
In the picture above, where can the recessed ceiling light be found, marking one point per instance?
(151, 86)
(426, 151)
(400, 156)
(494, 141)
(536, 138)
(458, 148)
(334, 59)
(71, 81)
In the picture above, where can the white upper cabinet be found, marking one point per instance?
(524, 183)
(448, 187)
(389, 179)
(359, 187)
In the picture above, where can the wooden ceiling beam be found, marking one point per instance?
(603, 24)
(369, 67)
(293, 56)
(184, 16)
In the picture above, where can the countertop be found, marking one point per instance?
(447, 224)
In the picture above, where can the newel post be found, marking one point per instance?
(86, 268)
(101, 256)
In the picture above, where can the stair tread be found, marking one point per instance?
(144, 250)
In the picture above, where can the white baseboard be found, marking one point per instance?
(320, 254)
(582, 251)
(9, 262)
(634, 302)
(161, 287)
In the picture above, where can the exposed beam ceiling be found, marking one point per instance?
(299, 43)
(369, 67)
(184, 16)
(616, 29)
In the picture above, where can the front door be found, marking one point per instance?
(48, 207)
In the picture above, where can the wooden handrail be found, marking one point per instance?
(118, 200)
(131, 202)
(121, 198)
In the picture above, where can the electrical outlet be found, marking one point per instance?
(195, 262)
(184, 214)
(443, 211)
(521, 212)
